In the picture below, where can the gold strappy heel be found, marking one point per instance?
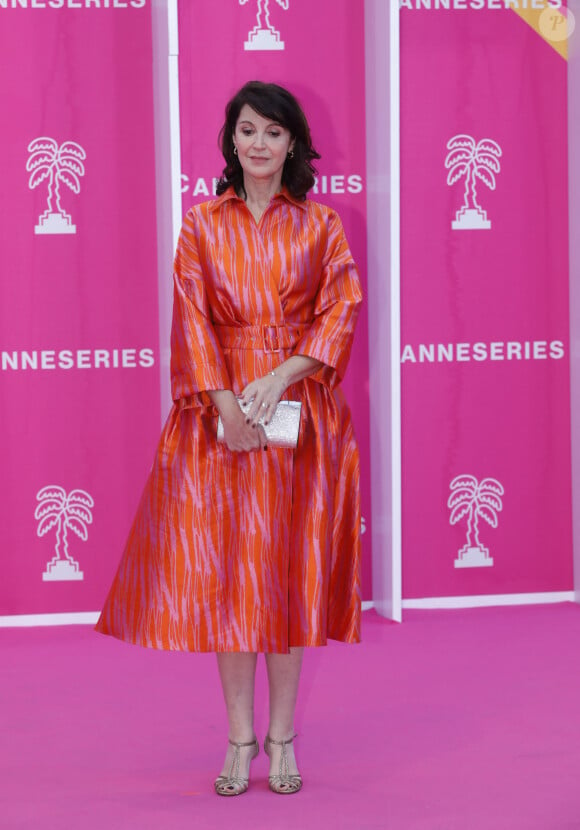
(283, 783)
(232, 784)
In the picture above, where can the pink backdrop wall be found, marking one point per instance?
(322, 63)
(574, 224)
(82, 413)
(483, 407)
(485, 334)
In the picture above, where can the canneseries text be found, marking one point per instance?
(498, 350)
(517, 5)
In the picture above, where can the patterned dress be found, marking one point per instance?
(255, 551)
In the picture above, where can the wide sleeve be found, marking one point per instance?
(197, 360)
(337, 304)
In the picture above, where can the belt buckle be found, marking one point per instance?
(271, 344)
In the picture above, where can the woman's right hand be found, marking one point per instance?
(239, 436)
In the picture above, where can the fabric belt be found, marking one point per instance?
(270, 338)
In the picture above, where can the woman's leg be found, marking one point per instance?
(237, 673)
(283, 680)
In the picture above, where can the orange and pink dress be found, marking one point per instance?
(256, 551)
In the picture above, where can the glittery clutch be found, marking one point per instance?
(283, 428)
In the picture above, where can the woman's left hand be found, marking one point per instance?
(264, 393)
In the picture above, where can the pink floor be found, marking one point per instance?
(455, 720)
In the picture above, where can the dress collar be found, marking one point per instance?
(230, 195)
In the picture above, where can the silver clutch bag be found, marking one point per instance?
(283, 428)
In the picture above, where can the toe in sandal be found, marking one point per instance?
(282, 783)
(233, 784)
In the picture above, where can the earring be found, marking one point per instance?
(235, 150)
(290, 154)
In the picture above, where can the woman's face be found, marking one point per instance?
(262, 145)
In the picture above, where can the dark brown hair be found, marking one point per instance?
(277, 104)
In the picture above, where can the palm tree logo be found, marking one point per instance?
(268, 38)
(473, 161)
(64, 511)
(60, 165)
(476, 500)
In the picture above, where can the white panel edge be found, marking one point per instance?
(74, 618)
(175, 144)
(173, 27)
(488, 600)
(168, 171)
(395, 281)
(29, 620)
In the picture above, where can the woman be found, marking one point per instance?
(238, 547)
